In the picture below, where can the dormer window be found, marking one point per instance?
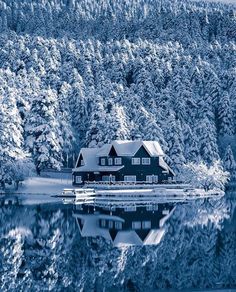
(103, 161)
(82, 162)
(110, 161)
(135, 161)
(118, 161)
(146, 161)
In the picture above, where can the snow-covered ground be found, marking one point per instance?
(41, 190)
(42, 185)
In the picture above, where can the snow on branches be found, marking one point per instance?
(207, 177)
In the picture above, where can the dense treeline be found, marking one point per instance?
(76, 73)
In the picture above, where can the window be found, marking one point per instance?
(108, 178)
(130, 178)
(118, 225)
(78, 179)
(146, 161)
(135, 161)
(152, 178)
(103, 223)
(136, 225)
(146, 224)
(118, 161)
(110, 161)
(110, 224)
(170, 179)
(152, 208)
(82, 162)
(103, 161)
(130, 208)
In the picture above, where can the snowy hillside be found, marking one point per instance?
(75, 73)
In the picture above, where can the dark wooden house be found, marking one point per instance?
(122, 161)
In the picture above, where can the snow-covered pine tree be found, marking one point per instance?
(229, 162)
(225, 116)
(43, 132)
(174, 138)
(11, 135)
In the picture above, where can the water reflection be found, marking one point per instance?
(41, 248)
(124, 225)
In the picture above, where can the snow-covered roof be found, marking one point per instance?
(165, 166)
(129, 237)
(129, 148)
(154, 236)
(89, 157)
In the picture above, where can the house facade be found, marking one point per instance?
(122, 161)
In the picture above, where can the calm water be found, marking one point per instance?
(41, 249)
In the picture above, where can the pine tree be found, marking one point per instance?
(229, 162)
(43, 132)
(11, 135)
(225, 116)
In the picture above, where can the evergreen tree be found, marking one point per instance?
(229, 162)
(43, 132)
(225, 116)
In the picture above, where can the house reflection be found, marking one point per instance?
(126, 224)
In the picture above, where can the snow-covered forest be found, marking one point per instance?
(76, 73)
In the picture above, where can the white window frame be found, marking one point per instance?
(110, 224)
(118, 225)
(152, 207)
(130, 208)
(130, 178)
(136, 225)
(103, 223)
(135, 161)
(146, 225)
(152, 178)
(78, 179)
(103, 161)
(110, 161)
(108, 178)
(146, 161)
(118, 161)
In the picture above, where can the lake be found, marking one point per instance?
(41, 249)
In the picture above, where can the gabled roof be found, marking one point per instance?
(89, 157)
(129, 148)
(91, 161)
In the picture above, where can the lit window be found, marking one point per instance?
(146, 224)
(135, 160)
(103, 161)
(118, 225)
(78, 179)
(136, 225)
(118, 161)
(130, 178)
(110, 161)
(146, 161)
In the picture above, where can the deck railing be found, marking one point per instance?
(130, 183)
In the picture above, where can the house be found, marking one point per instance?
(122, 161)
